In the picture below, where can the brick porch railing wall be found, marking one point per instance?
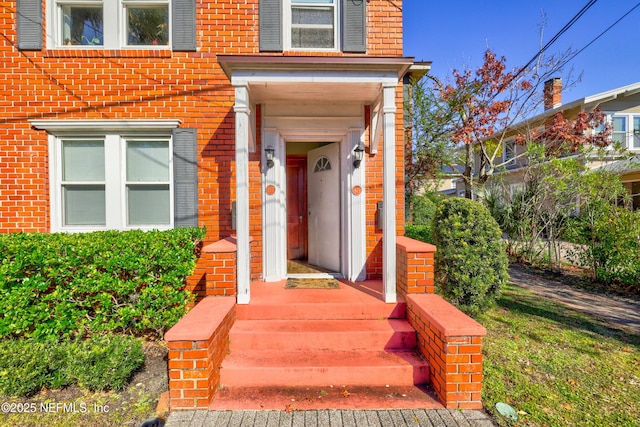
(414, 267)
(215, 272)
(197, 345)
(450, 340)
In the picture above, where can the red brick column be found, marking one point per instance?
(452, 343)
(197, 344)
(215, 272)
(414, 267)
(221, 268)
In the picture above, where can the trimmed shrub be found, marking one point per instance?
(471, 260)
(73, 285)
(97, 364)
(418, 232)
(105, 363)
(422, 210)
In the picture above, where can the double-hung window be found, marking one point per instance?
(619, 130)
(82, 178)
(147, 182)
(509, 150)
(312, 24)
(625, 130)
(120, 175)
(110, 24)
(112, 181)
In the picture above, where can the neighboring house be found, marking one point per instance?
(622, 109)
(168, 113)
(450, 179)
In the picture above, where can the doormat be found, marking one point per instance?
(300, 283)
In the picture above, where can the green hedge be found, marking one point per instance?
(97, 364)
(471, 260)
(69, 285)
(418, 232)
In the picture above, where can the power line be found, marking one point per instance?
(601, 34)
(563, 30)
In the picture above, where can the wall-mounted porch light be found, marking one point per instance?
(358, 155)
(269, 153)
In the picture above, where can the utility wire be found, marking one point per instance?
(564, 29)
(601, 34)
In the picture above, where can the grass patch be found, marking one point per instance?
(557, 366)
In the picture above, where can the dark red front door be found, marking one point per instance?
(297, 207)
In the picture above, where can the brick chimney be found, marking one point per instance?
(552, 93)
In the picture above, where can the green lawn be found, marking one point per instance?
(558, 367)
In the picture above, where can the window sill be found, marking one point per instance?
(108, 53)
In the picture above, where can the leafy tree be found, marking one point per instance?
(537, 213)
(466, 120)
(608, 231)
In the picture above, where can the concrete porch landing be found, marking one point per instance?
(361, 300)
(306, 349)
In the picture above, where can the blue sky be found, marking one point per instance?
(454, 34)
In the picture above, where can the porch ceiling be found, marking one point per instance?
(317, 79)
(317, 92)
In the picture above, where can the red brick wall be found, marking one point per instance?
(195, 361)
(151, 84)
(452, 344)
(414, 267)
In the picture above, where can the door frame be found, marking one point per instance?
(300, 159)
(352, 192)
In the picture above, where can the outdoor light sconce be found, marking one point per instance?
(358, 155)
(269, 152)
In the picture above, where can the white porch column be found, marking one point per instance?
(389, 193)
(356, 230)
(274, 213)
(243, 131)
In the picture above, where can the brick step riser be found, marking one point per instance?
(325, 376)
(322, 340)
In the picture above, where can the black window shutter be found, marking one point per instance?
(354, 26)
(185, 178)
(29, 24)
(270, 21)
(183, 34)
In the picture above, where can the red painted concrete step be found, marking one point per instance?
(325, 397)
(318, 311)
(322, 334)
(256, 368)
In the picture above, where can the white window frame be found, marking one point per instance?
(114, 17)
(287, 27)
(630, 136)
(115, 144)
(509, 142)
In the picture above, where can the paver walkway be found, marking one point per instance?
(617, 312)
(331, 418)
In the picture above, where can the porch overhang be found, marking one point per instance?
(320, 81)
